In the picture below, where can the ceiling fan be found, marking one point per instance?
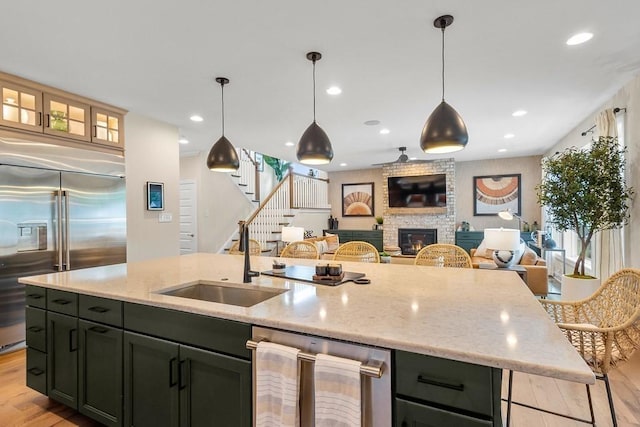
(403, 158)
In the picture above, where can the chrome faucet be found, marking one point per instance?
(244, 248)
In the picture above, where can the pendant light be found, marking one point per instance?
(223, 156)
(444, 131)
(314, 147)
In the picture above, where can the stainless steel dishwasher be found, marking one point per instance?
(376, 392)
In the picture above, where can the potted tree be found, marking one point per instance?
(584, 191)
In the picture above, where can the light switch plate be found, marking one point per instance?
(165, 217)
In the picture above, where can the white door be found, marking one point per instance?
(188, 217)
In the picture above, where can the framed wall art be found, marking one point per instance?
(357, 199)
(495, 193)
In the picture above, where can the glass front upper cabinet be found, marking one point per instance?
(65, 117)
(107, 127)
(21, 107)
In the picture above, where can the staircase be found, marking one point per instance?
(280, 207)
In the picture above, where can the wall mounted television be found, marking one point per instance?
(417, 191)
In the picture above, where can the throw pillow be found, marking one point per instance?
(322, 246)
(483, 251)
(333, 241)
(529, 257)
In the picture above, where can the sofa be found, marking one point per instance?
(536, 267)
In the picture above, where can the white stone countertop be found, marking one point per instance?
(485, 317)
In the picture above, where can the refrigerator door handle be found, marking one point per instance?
(58, 197)
(67, 265)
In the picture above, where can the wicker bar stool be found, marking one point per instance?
(604, 329)
(357, 251)
(443, 255)
(254, 248)
(300, 249)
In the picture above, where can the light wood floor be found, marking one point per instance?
(21, 406)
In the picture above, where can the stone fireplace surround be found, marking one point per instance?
(440, 219)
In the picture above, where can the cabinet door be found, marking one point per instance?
(100, 372)
(21, 107)
(62, 360)
(151, 381)
(107, 127)
(214, 387)
(64, 117)
(411, 414)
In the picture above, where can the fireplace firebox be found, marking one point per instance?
(411, 240)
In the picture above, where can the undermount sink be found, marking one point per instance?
(224, 293)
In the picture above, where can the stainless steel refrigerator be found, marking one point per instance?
(61, 209)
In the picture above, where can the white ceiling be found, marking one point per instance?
(159, 58)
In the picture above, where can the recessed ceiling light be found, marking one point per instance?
(579, 38)
(196, 118)
(343, 164)
(183, 141)
(508, 135)
(372, 122)
(519, 113)
(502, 150)
(289, 144)
(384, 131)
(334, 90)
(413, 158)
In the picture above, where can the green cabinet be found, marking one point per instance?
(62, 366)
(189, 386)
(100, 372)
(433, 391)
(168, 384)
(370, 236)
(72, 360)
(151, 381)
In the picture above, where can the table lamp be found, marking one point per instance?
(292, 234)
(505, 243)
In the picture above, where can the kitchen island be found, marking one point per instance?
(477, 317)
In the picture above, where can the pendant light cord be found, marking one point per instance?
(222, 86)
(443, 26)
(314, 90)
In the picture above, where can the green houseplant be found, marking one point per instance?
(279, 166)
(584, 191)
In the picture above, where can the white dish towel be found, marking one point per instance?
(277, 385)
(337, 392)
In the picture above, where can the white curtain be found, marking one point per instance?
(608, 244)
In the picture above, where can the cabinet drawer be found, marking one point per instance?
(62, 302)
(414, 414)
(225, 336)
(101, 310)
(35, 296)
(36, 332)
(470, 235)
(447, 382)
(37, 370)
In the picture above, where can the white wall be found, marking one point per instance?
(221, 204)
(628, 97)
(151, 155)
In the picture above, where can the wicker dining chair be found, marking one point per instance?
(443, 255)
(300, 249)
(604, 328)
(356, 251)
(254, 248)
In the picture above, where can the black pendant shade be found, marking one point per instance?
(314, 147)
(444, 130)
(222, 156)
